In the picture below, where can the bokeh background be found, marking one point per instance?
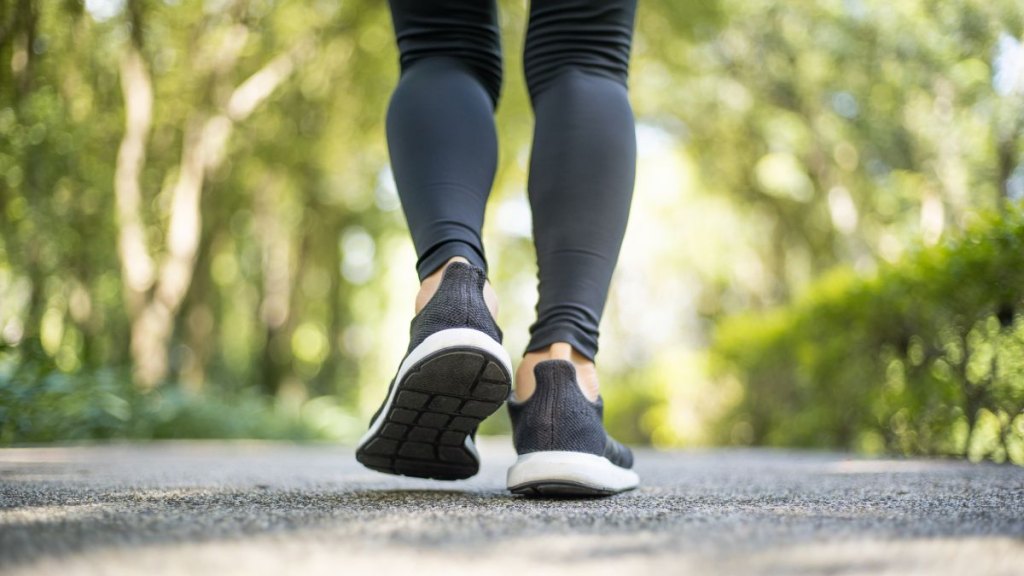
(200, 235)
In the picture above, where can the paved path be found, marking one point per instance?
(254, 508)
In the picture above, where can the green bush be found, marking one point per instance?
(41, 403)
(924, 357)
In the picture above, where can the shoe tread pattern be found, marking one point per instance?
(559, 489)
(440, 400)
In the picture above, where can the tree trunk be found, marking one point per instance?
(154, 293)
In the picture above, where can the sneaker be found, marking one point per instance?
(563, 447)
(455, 373)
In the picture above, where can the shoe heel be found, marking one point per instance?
(557, 417)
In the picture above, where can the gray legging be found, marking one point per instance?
(443, 144)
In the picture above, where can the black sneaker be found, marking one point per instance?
(563, 447)
(455, 373)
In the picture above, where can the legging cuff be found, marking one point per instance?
(441, 253)
(582, 342)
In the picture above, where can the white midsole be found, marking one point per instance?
(576, 467)
(453, 337)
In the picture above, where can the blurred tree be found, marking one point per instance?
(847, 127)
(154, 290)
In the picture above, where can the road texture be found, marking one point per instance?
(264, 508)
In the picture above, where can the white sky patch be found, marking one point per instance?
(658, 171)
(386, 194)
(842, 209)
(514, 216)
(1008, 77)
(357, 252)
(933, 216)
(104, 9)
(652, 140)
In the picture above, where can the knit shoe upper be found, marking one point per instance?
(558, 417)
(454, 374)
(458, 303)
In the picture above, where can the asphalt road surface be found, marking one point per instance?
(262, 508)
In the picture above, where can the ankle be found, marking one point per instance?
(430, 284)
(586, 371)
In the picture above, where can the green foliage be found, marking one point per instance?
(41, 403)
(924, 357)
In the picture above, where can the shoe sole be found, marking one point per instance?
(568, 474)
(445, 388)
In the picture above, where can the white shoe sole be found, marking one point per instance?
(560, 473)
(443, 389)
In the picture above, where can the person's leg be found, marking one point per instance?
(582, 170)
(442, 140)
(440, 129)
